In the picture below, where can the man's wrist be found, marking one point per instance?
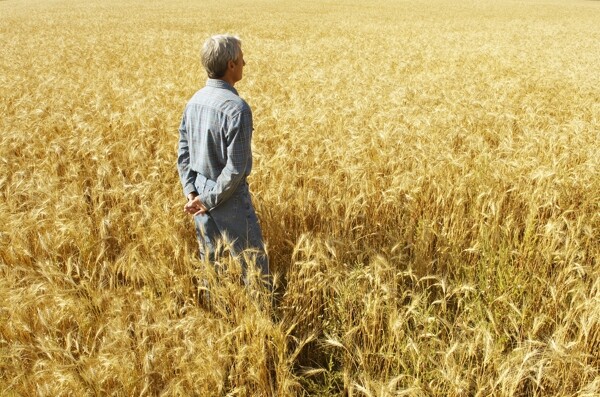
(192, 196)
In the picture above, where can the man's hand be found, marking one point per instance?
(194, 206)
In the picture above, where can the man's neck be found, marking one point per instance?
(228, 80)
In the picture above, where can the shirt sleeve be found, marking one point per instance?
(187, 176)
(239, 159)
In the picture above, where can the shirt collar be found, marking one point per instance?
(218, 83)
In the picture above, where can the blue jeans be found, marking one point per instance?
(235, 221)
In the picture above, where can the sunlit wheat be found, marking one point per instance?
(426, 175)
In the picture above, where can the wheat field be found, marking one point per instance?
(427, 176)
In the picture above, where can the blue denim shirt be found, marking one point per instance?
(215, 141)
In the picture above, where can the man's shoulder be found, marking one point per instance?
(220, 100)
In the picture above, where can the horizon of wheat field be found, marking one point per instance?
(426, 174)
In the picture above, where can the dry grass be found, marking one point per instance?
(426, 174)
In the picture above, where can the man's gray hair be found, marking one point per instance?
(217, 51)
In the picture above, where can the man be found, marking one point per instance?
(215, 157)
